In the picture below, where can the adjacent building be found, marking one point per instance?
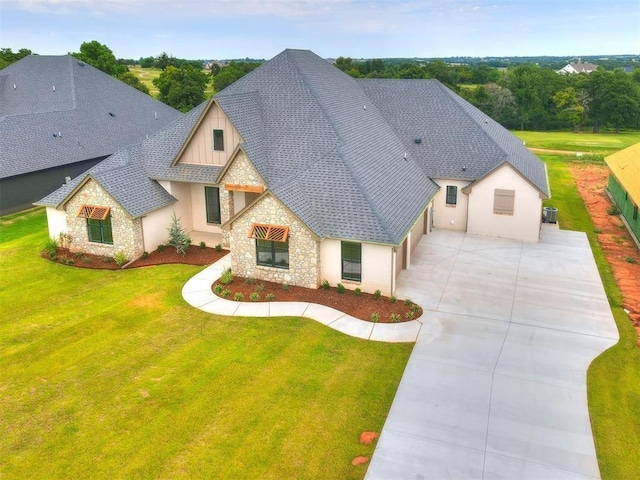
(624, 185)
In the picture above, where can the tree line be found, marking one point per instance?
(527, 96)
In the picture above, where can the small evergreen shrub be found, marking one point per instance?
(203, 245)
(218, 247)
(70, 261)
(629, 259)
(269, 297)
(145, 254)
(254, 297)
(120, 258)
(377, 294)
(238, 297)
(225, 293)
(106, 259)
(357, 292)
(340, 288)
(393, 299)
(86, 259)
(395, 318)
(613, 210)
(285, 286)
(161, 248)
(408, 303)
(326, 285)
(375, 317)
(51, 247)
(218, 288)
(77, 254)
(227, 277)
(250, 280)
(178, 237)
(415, 308)
(260, 287)
(409, 315)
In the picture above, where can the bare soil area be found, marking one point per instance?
(619, 248)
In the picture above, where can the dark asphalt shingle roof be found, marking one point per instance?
(79, 108)
(330, 147)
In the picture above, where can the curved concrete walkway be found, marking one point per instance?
(197, 293)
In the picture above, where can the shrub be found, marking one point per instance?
(629, 259)
(54, 257)
(51, 247)
(86, 259)
(226, 277)
(178, 236)
(285, 286)
(377, 294)
(415, 308)
(70, 261)
(218, 288)
(65, 239)
(203, 245)
(408, 303)
(326, 285)
(357, 292)
(393, 299)
(145, 254)
(238, 297)
(225, 293)
(120, 258)
(218, 247)
(260, 287)
(613, 210)
(375, 317)
(249, 280)
(106, 259)
(254, 297)
(269, 297)
(340, 288)
(409, 315)
(161, 248)
(77, 254)
(395, 318)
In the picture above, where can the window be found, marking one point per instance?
(351, 261)
(218, 140)
(635, 212)
(98, 223)
(272, 254)
(503, 201)
(212, 201)
(272, 245)
(452, 195)
(100, 230)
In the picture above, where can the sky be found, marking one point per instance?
(225, 29)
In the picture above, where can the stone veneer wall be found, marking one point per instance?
(127, 232)
(240, 172)
(304, 250)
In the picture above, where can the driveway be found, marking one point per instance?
(496, 385)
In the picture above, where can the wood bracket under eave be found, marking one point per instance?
(233, 187)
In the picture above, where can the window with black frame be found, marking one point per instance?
(352, 261)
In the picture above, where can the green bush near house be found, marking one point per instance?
(111, 374)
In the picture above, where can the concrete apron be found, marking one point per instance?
(496, 384)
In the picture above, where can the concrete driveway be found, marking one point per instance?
(496, 385)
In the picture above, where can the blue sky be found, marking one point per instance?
(203, 29)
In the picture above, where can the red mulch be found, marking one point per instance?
(367, 438)
(194, 256)
(359, 461)
(361, 307)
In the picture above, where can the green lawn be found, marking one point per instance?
(111, 375)
(613, 379)
(146, 76)
(586, 142)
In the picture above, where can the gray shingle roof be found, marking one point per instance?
(79, 108)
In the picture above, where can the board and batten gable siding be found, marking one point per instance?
(127, 232)
(200, 149)
(241, 171)
(626, 205)
(449, 216)
(304, 250)
(377, 266)
(525, 222)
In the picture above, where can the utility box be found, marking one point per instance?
(550, 215)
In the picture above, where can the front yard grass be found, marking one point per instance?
(585, 141)
(109, 374)
(613, 379)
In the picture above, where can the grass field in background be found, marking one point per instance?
(586, 142)
(146, 76)
(613, 379)
(110, 374)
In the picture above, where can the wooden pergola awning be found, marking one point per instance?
(273, 233)
(94, 212)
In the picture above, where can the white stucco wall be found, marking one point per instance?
(155, 228)
(449, 216)
(57, 222)
(525, 222)
(182, 192)
(376, 266)
(199, 209)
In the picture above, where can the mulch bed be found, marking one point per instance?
(362, 306)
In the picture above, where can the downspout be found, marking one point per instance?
(393, 269)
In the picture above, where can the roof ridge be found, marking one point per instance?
(73, 83)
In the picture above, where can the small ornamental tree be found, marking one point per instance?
(178, 236)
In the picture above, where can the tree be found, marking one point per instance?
(163, 61)
(133, 81)
(614, 99)
(232, 72)
(178, 236)
(182, 88)
(572, 110)
(147, 62)
(7, 57)
(100, 56)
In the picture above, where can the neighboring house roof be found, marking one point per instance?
(578, 67)
(91, 114)
(340, 153)
(625, 167)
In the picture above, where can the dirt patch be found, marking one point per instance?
(359, 461)
(617, 244)
(367, 438)
(361, 306)
(194, 256)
